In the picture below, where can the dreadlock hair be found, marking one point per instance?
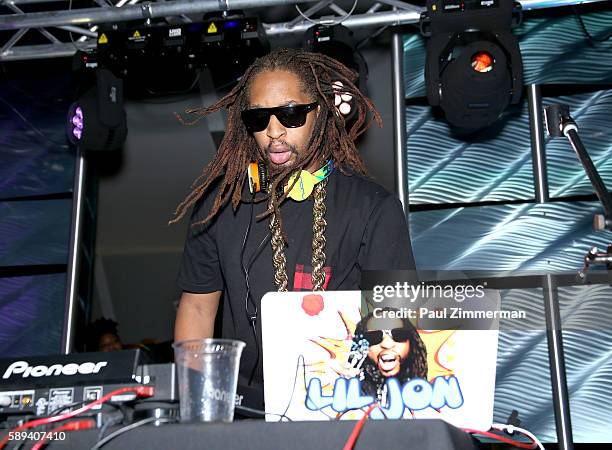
(414, 366)
(330, 139)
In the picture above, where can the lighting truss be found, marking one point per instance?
(81, 23)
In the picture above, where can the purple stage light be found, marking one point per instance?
(77, 122)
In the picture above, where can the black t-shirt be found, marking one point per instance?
(366, 229)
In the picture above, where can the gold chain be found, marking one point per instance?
(319, 225)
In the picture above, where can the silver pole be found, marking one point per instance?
(82, 31)
(375, 7)
(527, 4)
(146, 10)
(401, 5)
(48, 35)
(552, 315)
(399, 118)
(13, 40)
(27, 52)
(390, 18)
(556, 356)
(72, 294)
(28, 2)
(538, 150)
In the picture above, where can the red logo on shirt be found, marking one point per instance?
(302, 281)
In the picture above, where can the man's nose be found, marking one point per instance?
(387, 342)
(275, 129)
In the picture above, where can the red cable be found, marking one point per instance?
(83, 424)
(350, 443)
(501, 438)
(140, 391)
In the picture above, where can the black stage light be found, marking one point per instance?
(230, 43)
(167, 59)
(154, 59)
(97, 120)
(336, 42)
(473, 69)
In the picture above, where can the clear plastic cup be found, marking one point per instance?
(207, 378)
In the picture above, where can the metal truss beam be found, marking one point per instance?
(149, 10)
(398, 17)
(28, 2)
(143, 11)
(124, 10)
(310, 11)
(44, 51)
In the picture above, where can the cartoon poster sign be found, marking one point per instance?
(324, 361)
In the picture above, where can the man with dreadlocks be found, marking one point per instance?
(393, 349)
(245, 243)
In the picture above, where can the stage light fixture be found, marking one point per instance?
(336, 42)
(76, 122)
(473, 69)
(230, 43)
(97, 120)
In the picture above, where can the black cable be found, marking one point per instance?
(253, 323)
(109, 423)
(369, 37)
(259, 412)
(114, 420)
(589, 36)
(251, 317)
(57, 411)
(185, 95)
(182, 92)
(297, 368)
(365, 64)
(252, 376)
(70, 32)
(129, 427)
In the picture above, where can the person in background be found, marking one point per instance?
(102, 336)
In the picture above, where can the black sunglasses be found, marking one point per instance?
(292, 116)
(376, 337)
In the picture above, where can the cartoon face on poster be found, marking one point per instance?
(324, 361)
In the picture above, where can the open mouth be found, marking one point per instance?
(280, 157)
(279, 153)
(387, 362)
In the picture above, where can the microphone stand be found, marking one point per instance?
(560, 123)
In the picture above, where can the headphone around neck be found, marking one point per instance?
(301, 188)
